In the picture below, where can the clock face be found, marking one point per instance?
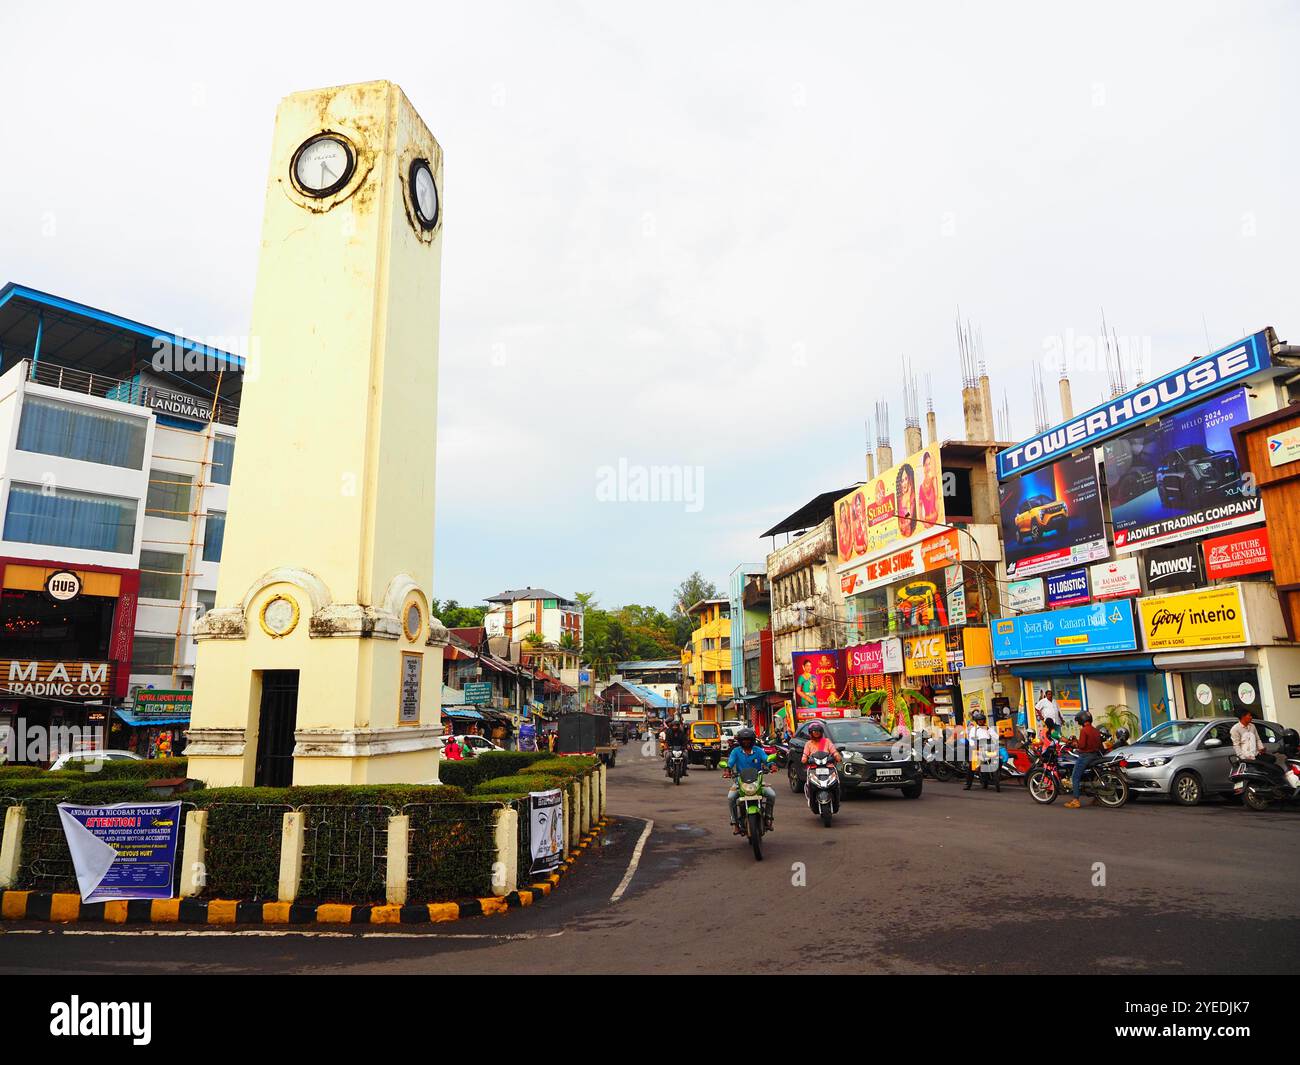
(424, 194)
(323, 165)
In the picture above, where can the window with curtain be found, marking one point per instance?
(62, 518)
(223, 458)
(214, 535)
(169, 495)
(152, 654)
(160, 574)
(71, 431)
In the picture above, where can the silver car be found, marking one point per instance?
(1188, 760)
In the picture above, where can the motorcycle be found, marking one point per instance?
(1265, 784)
(822, 786)
(675, 767)
(1103, 779)
(752, 814)
(1016, 763)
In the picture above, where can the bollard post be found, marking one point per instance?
(505, 868)
(11, 846)
(397, 875)
(194, 873)
(291, 841)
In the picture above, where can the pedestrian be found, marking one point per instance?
(1047, 709)
(1245, 740)
(451, 749)
(1088, 748)
(982, 753)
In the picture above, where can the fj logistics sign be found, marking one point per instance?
(1052, 518)
(1208, 617)
(897, 508)
(1174, 390)
(1078, 630)
(1180, 478)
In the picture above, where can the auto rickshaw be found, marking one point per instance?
(705, 743)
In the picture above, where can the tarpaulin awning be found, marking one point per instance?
(1077, 667)
(472, 714)
(136, 720)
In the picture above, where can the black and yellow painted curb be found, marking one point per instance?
(68, 908)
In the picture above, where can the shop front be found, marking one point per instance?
(154, 727)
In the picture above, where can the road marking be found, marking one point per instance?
(636, 860)
(269, 932)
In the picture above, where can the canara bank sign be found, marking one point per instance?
(69, 680)
(1176, 389)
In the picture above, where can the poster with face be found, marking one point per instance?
(900, 507)
(819, 678)
(1180, 478)
(1052, 517)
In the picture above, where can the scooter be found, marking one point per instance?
(675, 767)
(752, 813)
(1266, 784)
(822, 786)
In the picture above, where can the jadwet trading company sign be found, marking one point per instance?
(1208, 617)
(1176, 389)
(1080, 630)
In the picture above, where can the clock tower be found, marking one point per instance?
(321, 662)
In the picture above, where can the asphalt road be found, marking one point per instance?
(952, 882)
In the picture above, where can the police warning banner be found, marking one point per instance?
(126, 851)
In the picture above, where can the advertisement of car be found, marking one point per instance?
(818, 678)
(1180, 477)
(897, 508)
(1052, 517)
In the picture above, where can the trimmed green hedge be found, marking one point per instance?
(145, 769)
(573, 765)
(17, 772)
(473, 771)
(520, 784)
(395, 795)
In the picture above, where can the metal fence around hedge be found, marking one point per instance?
(246, 864)
(46, 862)
(451, 848)
(345, 853)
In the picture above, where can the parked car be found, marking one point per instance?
(870, 759)
(1189, 474)
(1188, 760)
(729, 731)
(64, 760)
(1041, 514)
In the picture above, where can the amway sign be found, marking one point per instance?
(1176, 389)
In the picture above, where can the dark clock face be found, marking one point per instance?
(323, 164)
(424, 194)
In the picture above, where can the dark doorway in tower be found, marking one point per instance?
(275, 727)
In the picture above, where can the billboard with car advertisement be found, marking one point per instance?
(818, 678)
(897, 508)
(1180, 478)
(1052, 517)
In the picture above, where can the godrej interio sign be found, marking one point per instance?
(1176, 389)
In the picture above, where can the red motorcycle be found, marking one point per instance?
(1051, 776)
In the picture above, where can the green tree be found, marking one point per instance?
(455, 616)
(691, 591)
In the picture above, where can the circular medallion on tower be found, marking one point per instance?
(413, 620)
(424, 194)
(323, 164)
(279, 616)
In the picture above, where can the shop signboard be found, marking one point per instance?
(1052, 517)
(61, 680)
(864, 660)
(1238, 553)
(955, 582)
(155, 704)
(1180, 477)
(1067, 589)
(478, 692)
(1118, 577)
(1178, 388)
(124, 851)
(891, 654)
(1206, 617)
(1026, 595)
(1284, 447)
(1174, 567)
(897, 508)
(927, 655)
(708, 694)
(935, 552)
(1097, 628)
(818, 678)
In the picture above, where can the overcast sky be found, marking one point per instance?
(689, 234)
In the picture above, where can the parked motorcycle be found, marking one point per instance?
(1264, 785)
(822, 786)
(752, 813)
(675, 767)
(1103, 779)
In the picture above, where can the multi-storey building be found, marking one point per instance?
(116, 442)
(709, 659)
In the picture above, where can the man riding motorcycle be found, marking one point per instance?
(675, 735)
(1089, 747)
(745, 755)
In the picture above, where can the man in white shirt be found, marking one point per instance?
(1047, 710)
(1245, 739)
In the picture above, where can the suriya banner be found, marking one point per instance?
(897, 508)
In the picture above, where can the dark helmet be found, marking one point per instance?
(1083, 717)
(817, 727)
(1121, 735)
(745, 735)
(1104, 732)
(978, 715)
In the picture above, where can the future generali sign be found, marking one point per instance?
(1178, 388)
(1238, 554)
(69, 680)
